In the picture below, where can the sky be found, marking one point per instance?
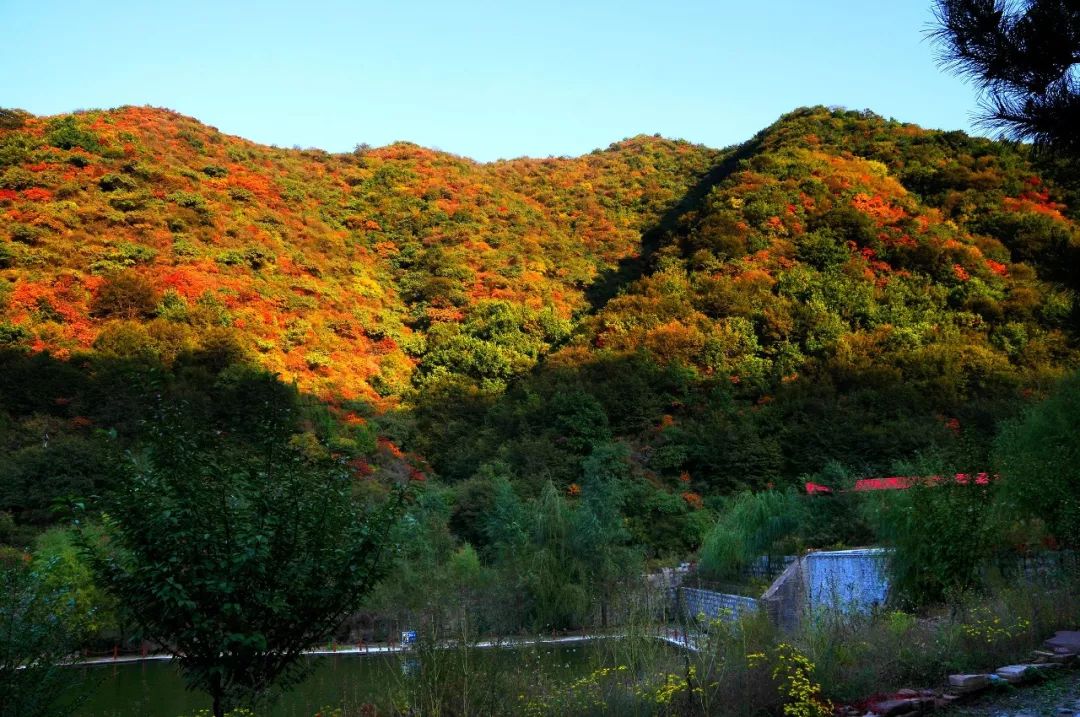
(486, 80)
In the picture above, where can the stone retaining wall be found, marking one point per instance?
(694, 602)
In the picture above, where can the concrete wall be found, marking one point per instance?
(846, 580)
(840, 580)
(785, 600)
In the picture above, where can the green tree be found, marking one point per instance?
(39, 631)
(753, 524)
(1039, 459)
(237, 560)
(600, 534)
(941, 533)
(555, 579)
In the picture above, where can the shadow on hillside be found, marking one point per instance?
(65, 425)
(609, 283)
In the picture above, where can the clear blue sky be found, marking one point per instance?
(482, 79)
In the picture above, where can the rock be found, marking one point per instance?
(900, 707)
(1061, 656)
(966, 684)
(1016, 674)
(1064, 641)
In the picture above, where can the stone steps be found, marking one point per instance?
(1056, 653)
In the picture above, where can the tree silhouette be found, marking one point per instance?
(1023, 55)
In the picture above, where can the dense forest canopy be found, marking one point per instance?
(840, 290)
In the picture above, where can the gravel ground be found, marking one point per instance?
(1056, 697)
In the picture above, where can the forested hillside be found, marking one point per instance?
(841, 293)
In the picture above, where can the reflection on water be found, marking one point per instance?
(155, 689)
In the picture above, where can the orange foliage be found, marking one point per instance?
(38, 194)
(878, 208)
(693, 500)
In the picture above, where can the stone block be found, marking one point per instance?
(1015, 674)
(1062, 657)
(900, 707)
(1064, 641)
(966, 684)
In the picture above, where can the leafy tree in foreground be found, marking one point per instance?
(941, 533)
(38, 636)
(237, 559)
(1024, 56)
(1039, 459)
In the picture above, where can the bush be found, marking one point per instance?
(1039, 458)
(25, 234)
(15, 148)
(126, 295)
(122, 256)
(115, 182)
(17, 178)
(11, 118)
(255, 257)
(12, 334)
(189, 200)
(65, 133)
(941, 534)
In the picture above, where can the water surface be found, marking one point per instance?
(154, 688)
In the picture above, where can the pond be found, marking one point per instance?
(153, 688)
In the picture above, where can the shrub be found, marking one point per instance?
(190, 200)
(12, 334)
(17, 178)
(123, 256)
(126, 295)
(126, 340)
(8, 255)
(115, 182)
(1039, 457)
(255, 257)
(11, 118)
(25, 233)
(65, 133)
(941, 533)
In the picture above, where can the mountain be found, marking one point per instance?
(840, 289)
(333, 269)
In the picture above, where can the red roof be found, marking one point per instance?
(902, 482)
(813, 488)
